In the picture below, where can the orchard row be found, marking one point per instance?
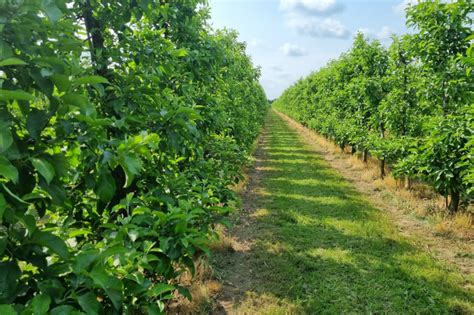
(123, 125)
(410, 106)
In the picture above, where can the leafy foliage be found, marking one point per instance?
(410, 105)
(122, 127)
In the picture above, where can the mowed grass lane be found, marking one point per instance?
(319, 247)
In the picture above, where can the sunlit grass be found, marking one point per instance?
(323, 249)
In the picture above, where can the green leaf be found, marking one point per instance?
(65, 310)
(84, 260)
(44, 168)
(160, 288)
(89, 303)
(191, 113)
(79, 101)
(13, 195)
(30, 223)
(153, 310)
(189, 262)
(40, 304)
(90, 79)
(180, 53)
(185, 292)
(6, 138)
(51, 241)
(7, 169)
(7, 310)
(8, 95)
(51, 10)
(78, 232)
(36, 122)
(3, 206)
(5, 50)
(12, 62)
(61, 81)
(105, 187)
(131, 166)
(8, 279)
(111, 285)
(3, 245)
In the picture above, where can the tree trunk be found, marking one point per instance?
(454, 202)
(382, 168)
(99, 57)
(353, 150)
(407, 182)
(96, 40)
(382, 161)
(365, 154)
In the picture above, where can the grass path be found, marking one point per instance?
(309, 243)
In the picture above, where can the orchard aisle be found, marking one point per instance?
(308, 242)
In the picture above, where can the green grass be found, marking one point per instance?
(320, 246)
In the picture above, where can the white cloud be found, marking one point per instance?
(327, 27)
(291, 50)
(400, 8)
(255, 42)
(312, 7)
(312, 17)
(384, 34)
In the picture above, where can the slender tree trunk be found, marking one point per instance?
(382, 161)
(96, 40)
(407, 182)
(382, 168)
(98, 51)
(353, 150)
(365, 155)
(454, 202)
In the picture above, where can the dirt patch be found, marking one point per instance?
(456, 247)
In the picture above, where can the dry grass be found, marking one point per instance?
(453, 225)
(442, 228)
(463, 221)
(223, 242)
(203, 286)
(264, 304)
(202, 293)
(240, 186)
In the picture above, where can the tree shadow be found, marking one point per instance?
(320, 245)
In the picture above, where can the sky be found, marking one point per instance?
(289, 39)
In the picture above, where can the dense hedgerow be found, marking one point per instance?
(410, 106)
(122, 126)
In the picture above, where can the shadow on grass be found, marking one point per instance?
(319, 245)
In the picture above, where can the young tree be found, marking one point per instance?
(440, 38)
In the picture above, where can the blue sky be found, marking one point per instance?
(289, 39)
